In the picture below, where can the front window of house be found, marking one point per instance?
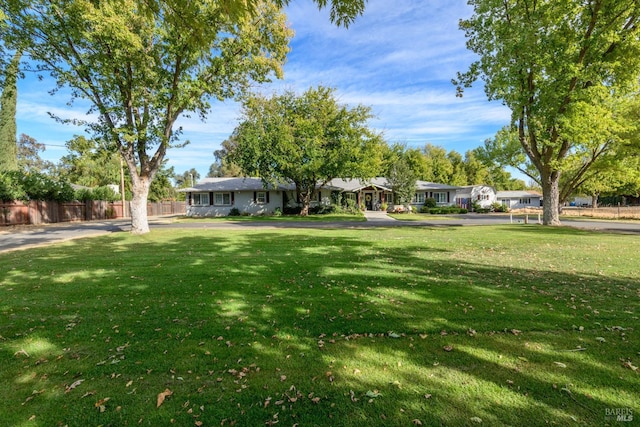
(200, 199)
(418, 198)
(440, 197)
(222, 199)
(261, 197)
(525, 201)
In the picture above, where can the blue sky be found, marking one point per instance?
(398, 58)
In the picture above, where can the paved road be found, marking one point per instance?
(25, 237)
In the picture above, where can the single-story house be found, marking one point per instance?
(218, 196)
(444, 195)
(519, 199)
(372, 192)
(484, 195)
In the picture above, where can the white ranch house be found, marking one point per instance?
(212, 197)
(218, 196)
(519, 199)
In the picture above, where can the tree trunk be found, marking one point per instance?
(594, 201)
(306, 202)
(139, 220)
(550, 197)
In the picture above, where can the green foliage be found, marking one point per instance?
(308, 139)
(187, 178)
(11, 186)
(29, 160)
(161, 187)
(442, 210)
(223, 166)
(143, 66)
(351, 206)
(91, 163)
(430, 202)
(402, 181)
(435, 164)
(564, 69)
(499, 207)
(37, 186)
(8, 128)
(342, 12)
(235, 212)
(104, 193)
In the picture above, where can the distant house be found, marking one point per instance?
(582, 201)
(519, 199)
(483, 195)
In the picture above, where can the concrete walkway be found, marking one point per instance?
(380, 217)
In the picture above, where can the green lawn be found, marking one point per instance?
(282, 218)
(507, 325)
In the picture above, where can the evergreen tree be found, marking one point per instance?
(8, 128)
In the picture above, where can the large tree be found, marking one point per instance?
(308, 140)
(8, 128)
(89, 163)
(402, 180)
(143, 64)
(562, 67)
(29, 160)
(223, 166)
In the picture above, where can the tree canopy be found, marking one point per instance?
(143, 64)
(308, 139)
(564, 69)
(342, 12)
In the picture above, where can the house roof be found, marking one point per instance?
(516, 194)
(234, 184)
(424, 185)
(338, 184)
(357, 185)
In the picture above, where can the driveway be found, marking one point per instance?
(23, 237)
(31, 236)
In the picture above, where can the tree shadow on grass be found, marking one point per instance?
(218, 316)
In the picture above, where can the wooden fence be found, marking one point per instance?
(39, 212)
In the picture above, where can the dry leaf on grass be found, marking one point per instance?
(162, 396)
(628, 364)
(102, 404)
(73, 385)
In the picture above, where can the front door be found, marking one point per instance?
(368, 201)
